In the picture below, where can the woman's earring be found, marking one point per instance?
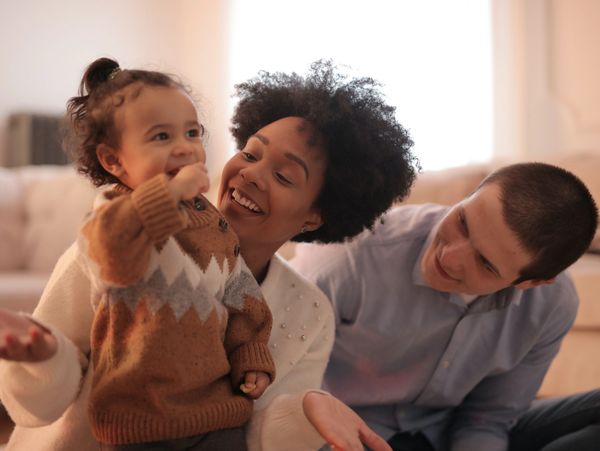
(303, 229)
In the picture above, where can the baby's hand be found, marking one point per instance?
(23, 340)
(255, 383)
(190, 181)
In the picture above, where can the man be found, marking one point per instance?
(448, 317)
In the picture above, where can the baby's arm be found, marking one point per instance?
(248, 327)
(121, 233)
(255, 383)
(118, 238)
(189, 182)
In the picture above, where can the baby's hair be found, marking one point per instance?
(90, 115)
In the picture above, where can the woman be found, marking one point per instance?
(322, 157)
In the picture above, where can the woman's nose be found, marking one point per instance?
(253, 176)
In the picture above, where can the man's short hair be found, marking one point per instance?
(552, 213)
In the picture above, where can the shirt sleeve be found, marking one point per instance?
(333, 270)
(485, 417)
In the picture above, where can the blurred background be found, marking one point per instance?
(472, 80)
(476, 82)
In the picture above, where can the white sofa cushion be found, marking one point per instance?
(12, 220)
(56, 201)
(21, 290)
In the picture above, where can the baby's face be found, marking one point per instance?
(160, 133)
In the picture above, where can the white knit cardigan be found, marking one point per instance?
(48, 400)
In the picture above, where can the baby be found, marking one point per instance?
(179, 338)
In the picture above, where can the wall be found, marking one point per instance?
(547, 68)
(547, 99)
(45, 47)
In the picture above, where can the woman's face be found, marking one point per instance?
(269, 188)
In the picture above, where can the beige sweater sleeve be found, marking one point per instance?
(36, 394)
(278, 421)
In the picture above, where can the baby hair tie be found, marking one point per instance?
(114, 73)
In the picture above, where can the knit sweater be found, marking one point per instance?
(48, 400)
(179, 319)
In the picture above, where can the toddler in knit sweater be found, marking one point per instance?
(179, 338)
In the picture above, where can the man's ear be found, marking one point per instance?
(534, 283)
(313, 221)
(109, 159)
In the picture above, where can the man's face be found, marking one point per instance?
(473, 250)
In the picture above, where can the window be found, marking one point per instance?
(432, 56)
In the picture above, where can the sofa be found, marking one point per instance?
(41, 208)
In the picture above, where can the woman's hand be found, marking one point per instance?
(23, 340)
(339, 425)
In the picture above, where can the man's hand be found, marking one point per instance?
(255, 383)
(339, 425)
(190, 181)
(23, 340)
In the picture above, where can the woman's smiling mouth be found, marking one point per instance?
(245, 202)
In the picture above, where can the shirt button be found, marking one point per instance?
(445, 364)
(223, 226)
(236, 250)
(198, 204)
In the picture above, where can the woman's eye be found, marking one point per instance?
(280, 177)
(248, 156)
(160, 136)
(463, 223)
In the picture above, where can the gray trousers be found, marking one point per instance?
(570, 423)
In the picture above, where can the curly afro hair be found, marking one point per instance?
(369, 161)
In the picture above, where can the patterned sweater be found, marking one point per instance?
(178, 317)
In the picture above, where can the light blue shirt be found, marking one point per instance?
(410, 358)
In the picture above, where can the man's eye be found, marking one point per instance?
(160, 136)
(487, 265)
